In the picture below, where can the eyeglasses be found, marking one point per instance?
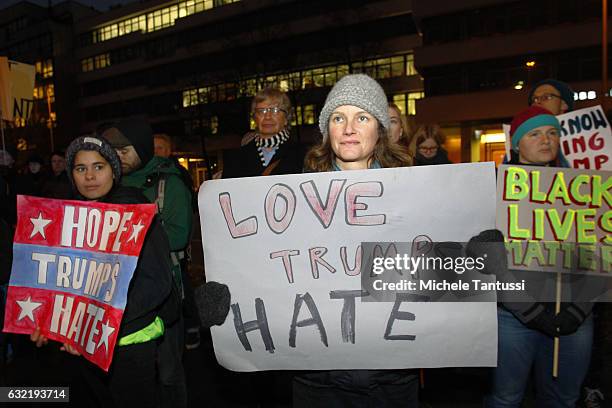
(545, 97)
(428, 149)
(275, 110)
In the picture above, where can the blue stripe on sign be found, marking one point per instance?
(79, 281)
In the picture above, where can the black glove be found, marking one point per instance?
(567, 321)
(544, 322)
(213, 301)
(489, 245)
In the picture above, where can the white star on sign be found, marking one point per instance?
(136, 228)
(107, 330)
(27, 308)
(39, 225)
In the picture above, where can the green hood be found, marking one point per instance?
(154, 166)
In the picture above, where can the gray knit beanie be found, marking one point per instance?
(358, 90)
(97, 144)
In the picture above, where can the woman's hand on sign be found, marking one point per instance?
(41, 340)
(38, 338)
(69, 349)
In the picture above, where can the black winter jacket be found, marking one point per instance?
(151, 292)
(245, 161)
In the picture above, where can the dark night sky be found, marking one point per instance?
(98, 4)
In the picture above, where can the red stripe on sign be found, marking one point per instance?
(89, 326)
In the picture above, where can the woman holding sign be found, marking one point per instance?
(528, 328)
(94, 170)
(355, 123)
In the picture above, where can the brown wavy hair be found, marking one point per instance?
(425, 132)
(321, 156)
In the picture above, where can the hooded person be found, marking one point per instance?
(94, 170)
(157, 178)
(57, 184)
(31, 182)
(160, 182)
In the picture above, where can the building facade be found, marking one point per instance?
(44, 37)
(479, 59)
(191, 67)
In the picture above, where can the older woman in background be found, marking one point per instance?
(269, 150)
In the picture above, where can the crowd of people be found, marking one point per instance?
(359, 130)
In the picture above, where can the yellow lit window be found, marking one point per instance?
(39, 92)
(47, 68)
(410, 69)
(50, 93)
(87, 64)
(400, 101)
(412, 97)
(308, 115)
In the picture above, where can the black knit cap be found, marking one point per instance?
(133, 131)
(96, 144)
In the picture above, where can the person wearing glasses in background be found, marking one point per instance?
(429, 150)
(269, 150)
(552, 95)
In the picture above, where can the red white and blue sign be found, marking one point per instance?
(72, 266)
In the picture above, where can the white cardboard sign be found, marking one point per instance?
(586, 139)
(287, 247)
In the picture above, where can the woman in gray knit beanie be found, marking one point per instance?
(355, 123)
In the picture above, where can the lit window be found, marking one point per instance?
(582, 95)
(101, 61)
(400, 101)
(591, 95)
(47, 68)
(50, 93)
(407, 102)
(214, 125)
(284, 85)
(308, 115)
(39, 92)
(44, 68)
(410, 69)
(397, 66)
(412, 97)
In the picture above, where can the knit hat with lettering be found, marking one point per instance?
(97, 144)
(566, 92)
(357, 90)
